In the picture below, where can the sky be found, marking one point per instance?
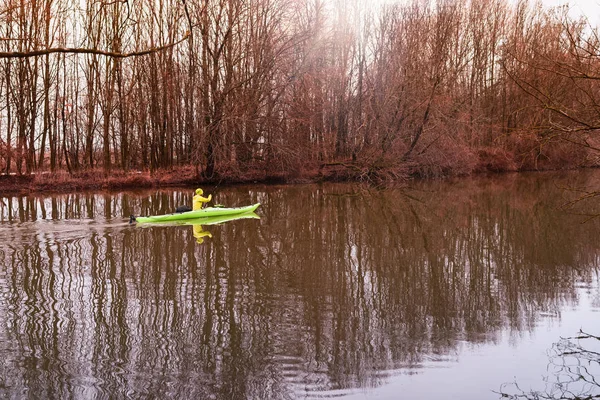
(587, 8)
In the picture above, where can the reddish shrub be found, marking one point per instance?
(495, 159)
(535, 152)
(443, 157)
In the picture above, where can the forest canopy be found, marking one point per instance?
(285, 87)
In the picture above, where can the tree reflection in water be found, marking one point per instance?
(335, 287)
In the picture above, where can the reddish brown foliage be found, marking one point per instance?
(301, 91)
(495, 159)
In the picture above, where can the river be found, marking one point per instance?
(453, 289)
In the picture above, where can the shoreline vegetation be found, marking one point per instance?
(63, 182)
(136, 94)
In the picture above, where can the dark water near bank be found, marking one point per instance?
(439, 290)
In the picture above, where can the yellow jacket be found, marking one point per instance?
(198, 200)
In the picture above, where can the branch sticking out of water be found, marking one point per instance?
(574, 367)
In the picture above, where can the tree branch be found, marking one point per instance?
(76, 50)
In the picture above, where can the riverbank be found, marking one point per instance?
(62, 181)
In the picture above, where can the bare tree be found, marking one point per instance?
(286, 87)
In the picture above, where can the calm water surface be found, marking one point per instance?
(439, 290)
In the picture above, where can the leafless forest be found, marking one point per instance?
(285, 88)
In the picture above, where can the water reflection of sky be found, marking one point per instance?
(475, 371)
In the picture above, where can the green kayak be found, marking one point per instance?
(212, 220)
(192, 215)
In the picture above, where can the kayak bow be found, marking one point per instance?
(202, 213)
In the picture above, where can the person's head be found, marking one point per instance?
(199, 191)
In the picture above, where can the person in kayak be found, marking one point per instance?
(198, 200)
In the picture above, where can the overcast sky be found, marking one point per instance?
(588, 8)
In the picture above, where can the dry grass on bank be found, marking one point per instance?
(62, 181)
(97, 179)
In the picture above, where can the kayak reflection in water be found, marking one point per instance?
(200, 233)
(198, 200)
